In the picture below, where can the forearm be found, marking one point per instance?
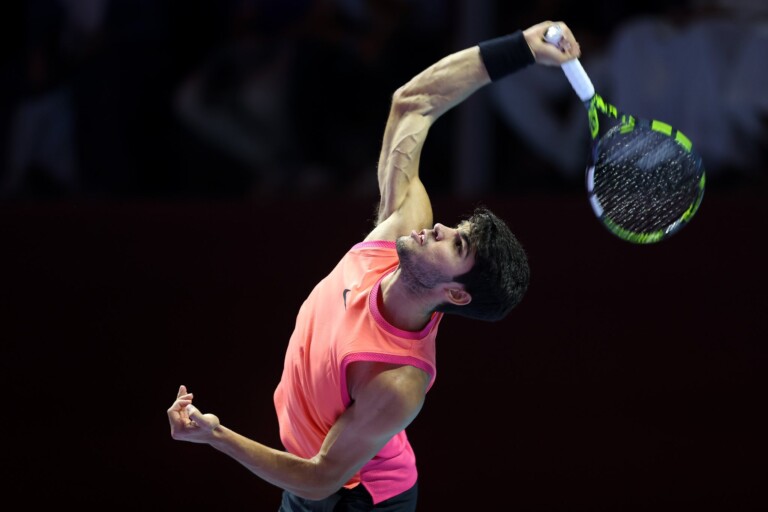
(452, 79)
(437, 89)
(282, 469)
(415, 106)
(443, 85)
(431, 93)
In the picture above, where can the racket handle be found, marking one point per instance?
(579, 79)
(573, 69)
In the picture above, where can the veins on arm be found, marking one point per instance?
(415, 107)
(399, 164)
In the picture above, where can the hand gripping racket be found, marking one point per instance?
(644, 180)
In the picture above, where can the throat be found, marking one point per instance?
(401, 308)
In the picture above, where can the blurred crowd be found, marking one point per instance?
(276, 98)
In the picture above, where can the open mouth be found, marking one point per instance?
(419, 237)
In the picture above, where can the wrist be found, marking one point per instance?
(505, 55)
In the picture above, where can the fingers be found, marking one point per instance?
(183, 396)
(193, 412)
(568, 43)
(187, 422)
(183, 399)
(180, 415)
(208, 422)
(551, 53)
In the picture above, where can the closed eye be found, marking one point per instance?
(462, 244)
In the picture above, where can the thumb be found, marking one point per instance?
(194, 413)
(210, 421)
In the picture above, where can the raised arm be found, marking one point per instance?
(404, 204)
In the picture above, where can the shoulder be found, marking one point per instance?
(398, 389)
(369, 257)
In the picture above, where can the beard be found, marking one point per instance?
(415, 270)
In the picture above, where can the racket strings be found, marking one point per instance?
(644, 180)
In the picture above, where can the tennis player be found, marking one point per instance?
(362, 354)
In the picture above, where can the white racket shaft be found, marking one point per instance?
(573, 70)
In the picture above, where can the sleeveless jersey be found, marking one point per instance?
(340, 323)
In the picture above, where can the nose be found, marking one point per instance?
(440, 231)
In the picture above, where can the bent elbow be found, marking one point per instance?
(400, 96)
(407, 99)
(322, 483)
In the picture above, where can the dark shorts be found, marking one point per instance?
(351, 500)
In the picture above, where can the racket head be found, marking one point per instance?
(644, 180)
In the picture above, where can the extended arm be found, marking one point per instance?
(404, 203)
(386, 400)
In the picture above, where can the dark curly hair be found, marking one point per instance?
(499, 278)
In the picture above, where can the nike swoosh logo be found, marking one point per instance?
(344, 295)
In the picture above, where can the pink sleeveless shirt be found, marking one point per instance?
(339, 323)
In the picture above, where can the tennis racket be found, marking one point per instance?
(644, 180)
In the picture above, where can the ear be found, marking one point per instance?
(458, 296)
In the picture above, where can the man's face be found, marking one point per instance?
(433, 256)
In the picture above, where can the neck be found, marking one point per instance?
(400, 306)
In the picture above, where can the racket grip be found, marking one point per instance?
(579, 80)
(573, 69)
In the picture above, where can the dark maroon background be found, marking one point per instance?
(631, 377)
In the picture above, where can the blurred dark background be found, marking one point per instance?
(176, 176)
